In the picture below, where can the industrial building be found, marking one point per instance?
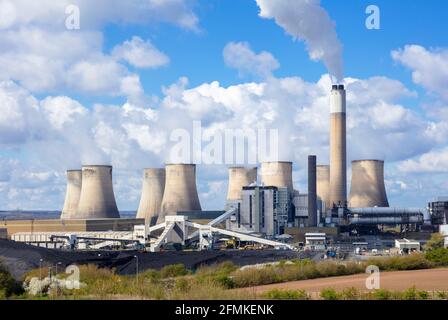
(262, 209)
(438, 208)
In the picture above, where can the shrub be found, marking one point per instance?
(410, 294)
(439, 256)
(442, 295)
(437, 241)
(172, 271)
(329, 294)
(382, 294)
(423, 295)
(350, 294)
(8, 285)
(412, 262)
(286, 295)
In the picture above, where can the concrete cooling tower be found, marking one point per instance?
(238, 178)
(323, 184)
(367, 188)
(338, 146)
(97, 200)
(277, 174)
(152, 195)
(180, 190)
(74, 183)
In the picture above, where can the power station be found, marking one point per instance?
(264, 209)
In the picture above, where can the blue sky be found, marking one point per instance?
(66, 103)
(366, 52)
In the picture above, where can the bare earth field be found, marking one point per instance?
(428, 280)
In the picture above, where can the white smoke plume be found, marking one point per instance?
(307, 21)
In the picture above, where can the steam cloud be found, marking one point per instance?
(307, 21)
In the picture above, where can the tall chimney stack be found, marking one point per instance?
(312, 191)
(338, 146)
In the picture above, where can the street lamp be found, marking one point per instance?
(58, 264)
(136, 275)
(40, 276)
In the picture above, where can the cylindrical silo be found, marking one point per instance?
(312, 192)
(240, 177)
(97, 200)
(367, 187)
(74, 183)
(323, 184)
(152, 195)
(277, 174)
(180, 190)
(338, 146)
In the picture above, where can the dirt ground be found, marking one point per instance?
(429, 280)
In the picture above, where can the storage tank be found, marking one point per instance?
(180, 190)
(97, 199)
(152, 195)
(277, 174)
(338, 146)
(74, 183)
(367, 187)
(240, 177)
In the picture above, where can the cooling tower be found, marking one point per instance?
(180, 190)
(238, 178)
(74, 183)
(338, 146)
(152, 195)
(367, 188)
(312, 192)
(323, 184)
(97, 200)
(277, 174)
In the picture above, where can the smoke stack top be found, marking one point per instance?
(338, 99)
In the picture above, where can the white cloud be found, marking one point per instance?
(240, 56)
(307, 21)
(50, 14)
(435, 161)
(429, 67)
(140, 54)
(39, 53)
